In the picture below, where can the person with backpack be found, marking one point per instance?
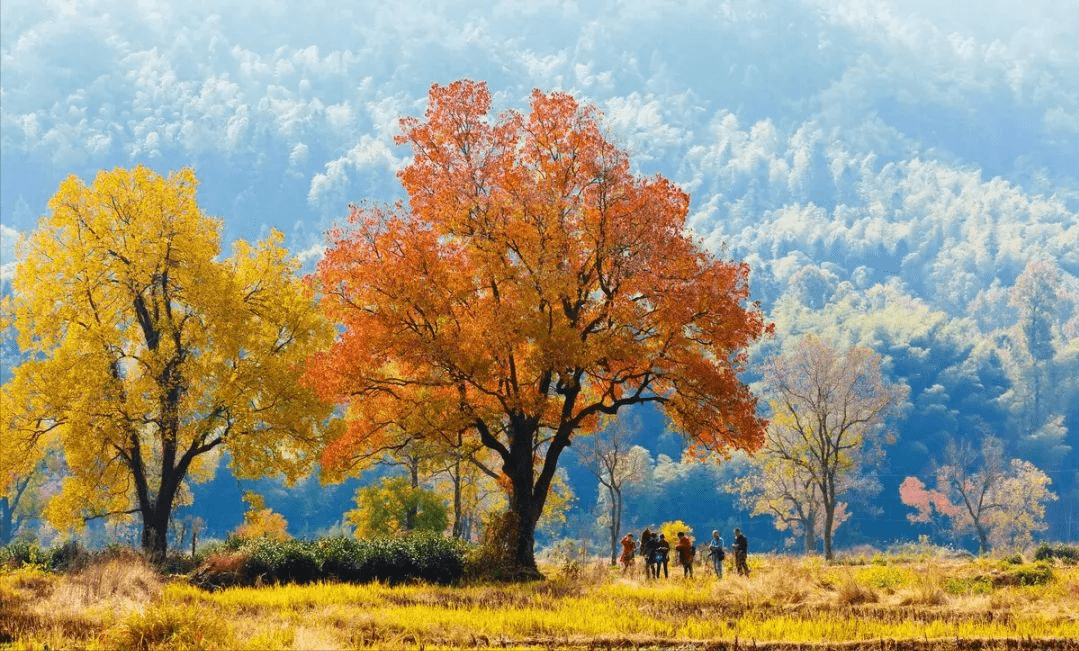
(662, 554)
(686, 552)
(741, 551)
(716, 553)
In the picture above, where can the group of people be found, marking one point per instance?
(656, 550)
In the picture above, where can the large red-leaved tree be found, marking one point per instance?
(531, 284)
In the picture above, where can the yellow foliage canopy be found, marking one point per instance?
(146, 351)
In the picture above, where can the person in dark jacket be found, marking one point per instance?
(741, 551)
(663, 554)
(648, 551)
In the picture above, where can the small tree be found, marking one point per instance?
(785, 491)
(147, 351)
(671, 528)
(979, 494)
(259, 522)
(23, 497)
(393, 506)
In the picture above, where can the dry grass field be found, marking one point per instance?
(788, 603)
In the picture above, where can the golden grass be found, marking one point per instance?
(920, 604)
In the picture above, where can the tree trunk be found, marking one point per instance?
(9, 523)
(829, 518)
(615, 522)
(524, 506)
(983, 538)
(458, 522)
(7, 530)
(196, 525)
(156, 510)
(528, 495)
(412, 510)
(528, 490)
(155, 530)
(810, 537)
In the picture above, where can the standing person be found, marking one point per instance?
(741, 551)
(648, 551)
(626, 559)
(686, 552)
(716, 553)
(663, 552)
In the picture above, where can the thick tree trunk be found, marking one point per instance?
(155, 530)
(7, 521)
(527, 498)
(983, 538)
(156, 509)
(524, 507)
(528, 489)
(809, 538)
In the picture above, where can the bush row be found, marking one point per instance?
(69, 556)
(1066, 553)
(418, 557)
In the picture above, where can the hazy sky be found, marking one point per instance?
(287, 110)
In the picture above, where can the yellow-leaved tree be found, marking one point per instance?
(147, 353)
(260, 521)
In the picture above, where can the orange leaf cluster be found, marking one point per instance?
(531, 279)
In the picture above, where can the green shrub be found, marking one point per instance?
(1039, 573)
(339, 558)
(968, 586)
(419, 557)
(437, 559)
(68, 557)
(280, 561)
(1066, 553)
(21, 552)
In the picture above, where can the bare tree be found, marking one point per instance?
(967, 477)
(829, 410)
(607, 456)
(786, 492)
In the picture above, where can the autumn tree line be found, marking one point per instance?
(531, 291)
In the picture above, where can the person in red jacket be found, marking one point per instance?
(628, 547)
(686, 552)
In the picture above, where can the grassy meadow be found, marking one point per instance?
(880, 602)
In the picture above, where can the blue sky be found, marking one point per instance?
(801, 115)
